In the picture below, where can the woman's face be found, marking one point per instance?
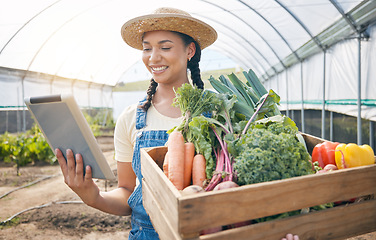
(165, 56)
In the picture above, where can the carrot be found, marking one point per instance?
(175, 148)
(165, 164)
(189, 153)
(199, 170)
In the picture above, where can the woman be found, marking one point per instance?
(171, 42)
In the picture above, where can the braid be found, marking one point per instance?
(150, 92)
(193, 66)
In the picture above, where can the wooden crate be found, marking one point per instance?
(182, 217)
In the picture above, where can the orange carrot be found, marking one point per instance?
(199, 170)
(165, 164)
(189, 153)
(175, 148)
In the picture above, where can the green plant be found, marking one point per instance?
(100, 121)
(25, 148)
(15, 221)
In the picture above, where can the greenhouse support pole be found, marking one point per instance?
(17, 112)
(73, 82)
(23, 105)
(104, 121)
(323, 98)
(88, 97)
(371, 134)
(51, 83)
(359, 119)
(302, 92)
(331, 126)
(278, 82)
(287, 95)
(6, 121)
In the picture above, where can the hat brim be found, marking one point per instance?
(132, 31)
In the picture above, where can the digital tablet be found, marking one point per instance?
(65, 127)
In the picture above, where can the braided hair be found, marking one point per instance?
(192, 65)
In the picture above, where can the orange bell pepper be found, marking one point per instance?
(352, 155)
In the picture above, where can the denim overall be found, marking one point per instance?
(140, 221)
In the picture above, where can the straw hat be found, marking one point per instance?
(169, 19)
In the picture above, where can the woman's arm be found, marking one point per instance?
(115, 201)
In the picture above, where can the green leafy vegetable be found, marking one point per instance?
(248, 95)
(204, 140)
(235, 147)
(271, 151)
(246, 139)
(193, 102)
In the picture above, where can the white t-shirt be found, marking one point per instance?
(126, 132)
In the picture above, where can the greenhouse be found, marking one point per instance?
(314, 54)
(282, 79)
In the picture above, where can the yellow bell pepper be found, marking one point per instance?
(352, 155)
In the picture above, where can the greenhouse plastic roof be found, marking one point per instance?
(81, 39)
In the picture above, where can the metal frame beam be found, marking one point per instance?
(248, 25)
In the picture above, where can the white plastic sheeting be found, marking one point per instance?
(81, 39)
(341, 85)
(16, 84)
(281, 40)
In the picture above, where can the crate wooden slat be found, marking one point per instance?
(163, 190)
(182, 217)
(335, 223)
(159, 215)
(265, 199)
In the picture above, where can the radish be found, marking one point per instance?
(330, 167)
(192, 189)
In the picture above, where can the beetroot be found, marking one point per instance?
(225, 185)
(211, 230)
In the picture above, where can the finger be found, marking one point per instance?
(88, 174)
(296, 237)
(62, 162)
(79, 169)
(289, 236)
(71, 162)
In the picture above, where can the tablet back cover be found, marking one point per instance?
(62, 130)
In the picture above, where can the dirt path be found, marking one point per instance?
(56, 220)
(50, 190)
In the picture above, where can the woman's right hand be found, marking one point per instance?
(289, 236)
(73, 171)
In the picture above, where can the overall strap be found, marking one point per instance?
(141, 116)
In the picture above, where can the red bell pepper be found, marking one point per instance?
(324, 153)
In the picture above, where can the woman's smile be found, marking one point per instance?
(156, 69)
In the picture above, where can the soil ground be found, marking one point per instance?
(55, 212)
(62, 215)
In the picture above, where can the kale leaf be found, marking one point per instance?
(271, 151)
